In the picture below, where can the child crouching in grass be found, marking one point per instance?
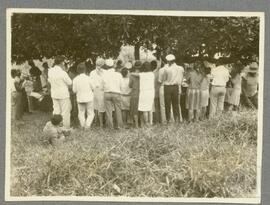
(54, 131)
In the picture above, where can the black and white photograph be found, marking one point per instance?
(134, 105)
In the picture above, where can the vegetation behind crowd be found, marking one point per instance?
(79, 37)
(214, 158)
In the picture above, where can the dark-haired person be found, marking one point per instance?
(125, 95)
(147, 93)
(220, 76)
(156, 114)
(194, 79)
(236, 80)
(59, 84)
(83, 88)
(16, 95)
(250, 86)
(204, 91)
(54, 132)
(134, 84)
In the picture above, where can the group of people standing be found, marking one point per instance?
(143, 93)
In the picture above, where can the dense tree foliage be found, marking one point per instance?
(82, 36)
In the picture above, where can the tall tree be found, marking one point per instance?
(79, 36)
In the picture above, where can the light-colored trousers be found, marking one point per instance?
(217, 97)
(87, 108)
(113, 103)
(62, 107)
(162, 104)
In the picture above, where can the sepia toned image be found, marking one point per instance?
(107, 105)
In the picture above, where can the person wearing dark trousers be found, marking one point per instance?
(172, 78)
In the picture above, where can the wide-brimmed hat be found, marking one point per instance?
(253, 68)
(137, 64)
(128, 65)
(100, 62)
(170, 57)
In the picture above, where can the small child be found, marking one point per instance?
(54, 131)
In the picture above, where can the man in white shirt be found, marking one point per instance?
(220, 76)
(59, 84)
(172, 79)
(83, 88)
(112, 94)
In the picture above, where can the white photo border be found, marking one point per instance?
(261, 15)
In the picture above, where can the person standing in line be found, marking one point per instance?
(236, 80)
(83, 88)
(96, 76)
(204, 93)
(111, 84)
(250, 86)
(134, 85)
(193, 103)
(161, 94)
(28, 86)
(125, 96)
(220, 76)
(172, 78)
(157, 114)
(16, 100)
(147, 92)
(59, 84)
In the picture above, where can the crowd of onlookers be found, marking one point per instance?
(120, 95)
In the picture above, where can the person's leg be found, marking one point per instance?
(196, 115)
(124, 116)
(175, 103)
(167, 100)
(220, 99)
(190, 115)
(90, 114)
(136, 120)
(162, 105)
(101, 119)
(157, 111)
(108, 109)
(65, 105)
(81, 113)
(150, 115)
(213, 102)
(56, 107)
(118, 112)
(180, 109)
(145, 118)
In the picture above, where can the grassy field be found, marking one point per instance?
(214, 158)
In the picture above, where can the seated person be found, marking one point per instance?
(54, 131)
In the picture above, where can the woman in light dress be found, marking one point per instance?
(147, 93)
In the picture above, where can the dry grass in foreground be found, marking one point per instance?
(215, 158)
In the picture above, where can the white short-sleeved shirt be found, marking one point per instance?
(220, 76)
(59, 81)
(83, 88)
(112, 81)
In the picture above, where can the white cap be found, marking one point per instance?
(109, 62)
(170, 57)
(128, 65)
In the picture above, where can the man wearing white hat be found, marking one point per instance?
(112, 93)
(172, 79)
(96, 77)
